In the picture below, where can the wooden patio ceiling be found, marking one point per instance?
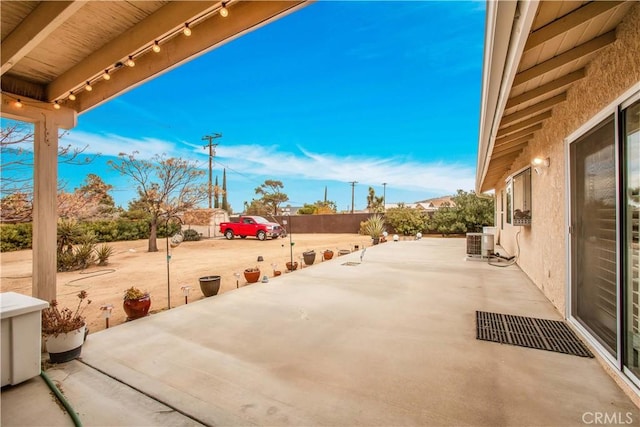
(562, 40)
(52, 50)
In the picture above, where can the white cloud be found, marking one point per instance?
(112, 145)
(259, 162)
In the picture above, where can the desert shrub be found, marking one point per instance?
(191, 235)
(15, 237)
(406, 221)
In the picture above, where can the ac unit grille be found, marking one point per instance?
(479, 245)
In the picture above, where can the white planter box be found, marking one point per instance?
(21, 336)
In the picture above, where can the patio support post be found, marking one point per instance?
(46, 121)
(45, 216)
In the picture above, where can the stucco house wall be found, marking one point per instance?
(543, 247)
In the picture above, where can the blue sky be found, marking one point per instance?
(339, 91)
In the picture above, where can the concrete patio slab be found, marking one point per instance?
(389, 341)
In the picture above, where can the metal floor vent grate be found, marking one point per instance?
(543, 334)
(350, 263)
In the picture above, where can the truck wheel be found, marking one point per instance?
(228, 234)
(262, 235)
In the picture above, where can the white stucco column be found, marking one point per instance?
(47, 122)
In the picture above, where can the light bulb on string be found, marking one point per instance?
(106, 75)
(88, 87)
(56, 106)
(224, 12)
(72, 97)
(130, 62)
(18, 104)
(155, 47)
(187, 30)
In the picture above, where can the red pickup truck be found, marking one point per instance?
(252, 226)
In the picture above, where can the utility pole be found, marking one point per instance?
(212, 153)
(384, 196)
(353, 187)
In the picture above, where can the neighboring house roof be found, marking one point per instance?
(533, 53)
(426, 205)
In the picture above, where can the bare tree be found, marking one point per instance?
(16, 154)
(166, 187)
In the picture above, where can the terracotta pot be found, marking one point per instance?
(327, 254)
(65, 347)
(252, 276)
(291, 267)
(137, 308)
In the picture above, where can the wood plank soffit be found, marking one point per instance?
(518, 134)
(565, 58)
(545, 88)
(523, 124)
(171, 16)
(547, 104)
(37, 26)
(569, 21)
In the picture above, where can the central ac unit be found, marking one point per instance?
(479, 245)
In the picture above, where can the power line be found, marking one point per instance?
(212, 153)
(353, 187)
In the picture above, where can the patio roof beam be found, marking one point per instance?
(547, 104)
(565, 58)
(153, 27)
(245, 17)
(523, 124)
(512, 150)
(40, 23)
(513, 143)
(519, 134)
(568, 22)
(546, 88)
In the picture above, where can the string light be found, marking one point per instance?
(88, 87)
(130, 62)
(56, 106)
(72, 97)
(224, 12)
(156, 47)
(18, 104)
(187, 30)
(106, 75)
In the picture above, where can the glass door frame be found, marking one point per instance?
(614, 109)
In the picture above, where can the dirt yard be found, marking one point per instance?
(132, 265)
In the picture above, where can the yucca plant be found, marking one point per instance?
(103, 252)
(374, 226)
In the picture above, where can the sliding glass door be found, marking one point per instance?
(593, 233)
(630, 121)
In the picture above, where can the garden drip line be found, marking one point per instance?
(93, 274)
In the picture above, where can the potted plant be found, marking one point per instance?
(309, 257)
(63, 330)
(136, 303)
(327, 254)
(291, 266)
(210, 285)
(252, 275)
(374, 227)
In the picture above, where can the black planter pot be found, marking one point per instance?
(309, 257)
(210, 285)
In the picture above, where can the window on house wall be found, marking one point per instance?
(521, 184)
